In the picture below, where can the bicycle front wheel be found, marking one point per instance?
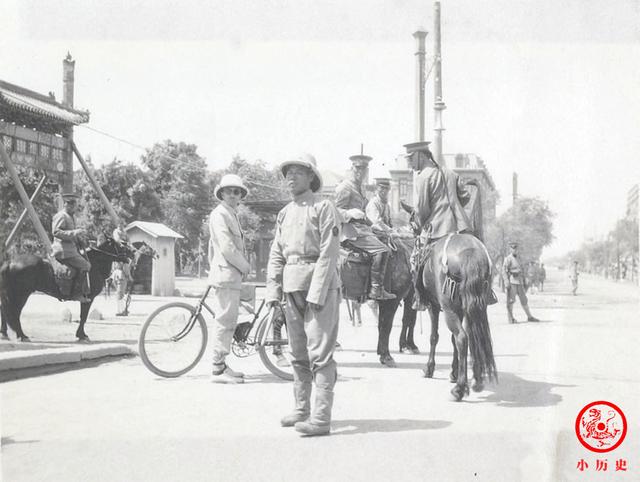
(173, 340)
(273, 345)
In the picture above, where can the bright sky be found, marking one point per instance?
(545, 88)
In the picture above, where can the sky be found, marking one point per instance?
(547, 89)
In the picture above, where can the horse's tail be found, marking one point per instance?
(474, 291)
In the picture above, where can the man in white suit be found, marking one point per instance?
(228, 266)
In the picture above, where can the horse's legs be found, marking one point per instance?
(455, 325)
(453, 376)
(3, 326)
(14, 310)
(434, 316)
(84, 312)
(409, 321)
(386, 311)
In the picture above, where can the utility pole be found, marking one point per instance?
(514, 187)
(438, 103)
(420, 37)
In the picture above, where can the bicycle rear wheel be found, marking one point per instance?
(173, 340)
(273, 344)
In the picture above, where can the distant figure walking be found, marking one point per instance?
(543, 276)
(574, 278)
(514, 281)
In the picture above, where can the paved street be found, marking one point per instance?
(116, 421)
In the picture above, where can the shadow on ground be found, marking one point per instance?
(10, 441)
(353, 427)
(22, 373)
(516, 392)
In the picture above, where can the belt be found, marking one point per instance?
(301, 259)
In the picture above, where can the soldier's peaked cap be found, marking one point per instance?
(308, 161)
(417, 146)
(513, 244)
(360, 160)
(383, 181)
(70, 196)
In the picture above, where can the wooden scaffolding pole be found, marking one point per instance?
(44, 238)
(94, 183)
(24, 214)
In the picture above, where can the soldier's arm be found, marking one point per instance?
(326, 265)
(423, 206)
(220, 229)
(375, 216)
(60, 231)
(275, 265)
(463, 192)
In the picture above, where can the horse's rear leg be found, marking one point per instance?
(408, 326)
(386, 311)
(453, 376)
(11, 314)
(434, 316)
(84, 313)
(461, 340)
(3, 327)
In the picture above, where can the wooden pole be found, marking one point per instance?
(96, 186)
(24, 214)
(25, 200)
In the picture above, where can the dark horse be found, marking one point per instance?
(24, 274)
(399, 281)
(457, 281)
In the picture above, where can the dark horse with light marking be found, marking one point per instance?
(25, 274)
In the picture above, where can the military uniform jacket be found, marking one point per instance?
(441, 201)
(227, 259)
(350, 196)
(512, 270)
(65, 241)
(379, 213)
(304, 253)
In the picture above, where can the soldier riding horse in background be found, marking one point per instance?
(453, 270)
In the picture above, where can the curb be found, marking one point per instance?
(52, 356)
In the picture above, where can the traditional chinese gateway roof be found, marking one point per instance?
(24, 106)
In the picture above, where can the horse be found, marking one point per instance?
(400, 282)
(27, 273)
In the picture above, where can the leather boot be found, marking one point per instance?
(377, 291)
(530, 317)
(302, 397)
(320, 421)
(510, 314)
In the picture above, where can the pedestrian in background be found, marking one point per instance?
(229, 265)
(514, 281)
(303, 269)
(573, 276)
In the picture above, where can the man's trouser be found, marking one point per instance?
(83, 266)
(514, 290)
(312, 338)
(225, 305)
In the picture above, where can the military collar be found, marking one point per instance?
(355, 186)
(229, 208)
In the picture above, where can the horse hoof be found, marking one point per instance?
(84, 339)
(477, 386)
(428, 371)
(453, 378)
(458, 392)
(415, 351)
(25, 338)
(5, 337)
(404, 349)
(388, 361)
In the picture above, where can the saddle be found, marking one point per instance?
(65, 276)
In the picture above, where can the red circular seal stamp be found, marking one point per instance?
(601, 426)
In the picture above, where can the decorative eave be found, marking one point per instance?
(16, 99)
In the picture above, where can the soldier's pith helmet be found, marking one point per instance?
(308, 161)
(230, 180)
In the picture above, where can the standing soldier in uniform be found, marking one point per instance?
(574, 278)
(543, 276)
(303, 269)
(514, 281)
(229, 265)
(351, 203)
(67, 242)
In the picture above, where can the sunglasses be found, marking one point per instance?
(233, 190)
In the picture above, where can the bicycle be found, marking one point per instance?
(174, 337)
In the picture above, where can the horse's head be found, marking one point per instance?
(121, 252)
(144, 249)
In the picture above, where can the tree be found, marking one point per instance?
(179, 177)
(529, 222)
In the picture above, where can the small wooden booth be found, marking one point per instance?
(162, 239)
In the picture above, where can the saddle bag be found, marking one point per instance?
(354, 272)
